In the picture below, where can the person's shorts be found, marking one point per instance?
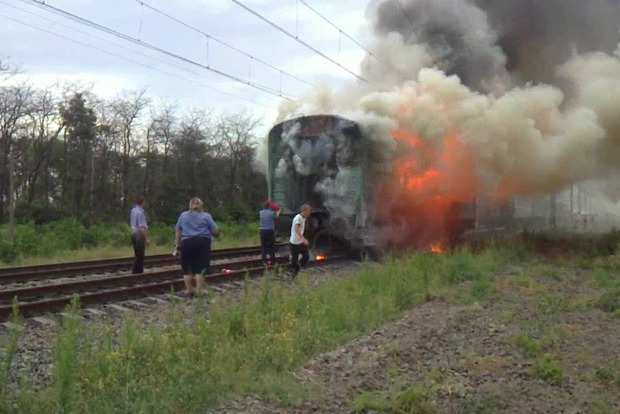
(196, 255)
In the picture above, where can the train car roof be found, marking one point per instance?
(306, 117)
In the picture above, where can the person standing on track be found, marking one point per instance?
(194, 230)
(299, 244)
(267, 231)
(139, 236)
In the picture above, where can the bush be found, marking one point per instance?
(8, 252)
(238, 213)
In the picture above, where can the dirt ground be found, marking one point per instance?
(538, 345)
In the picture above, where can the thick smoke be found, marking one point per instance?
(498, 97)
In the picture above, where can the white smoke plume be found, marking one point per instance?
(504, 97)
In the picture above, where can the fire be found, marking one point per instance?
(436, 248)
(430, 179)
(321, 257)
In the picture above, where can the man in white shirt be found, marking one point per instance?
(299, 244)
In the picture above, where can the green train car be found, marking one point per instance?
(323, 161)
(320, 160)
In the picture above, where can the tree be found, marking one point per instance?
(79, 122)
(127, 108)
(14, 105)
(235, 142)
(44, 130)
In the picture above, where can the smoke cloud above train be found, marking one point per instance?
(498, 97)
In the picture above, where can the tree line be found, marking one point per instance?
(66, 152)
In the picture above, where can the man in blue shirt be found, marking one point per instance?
(267, 230)
(139, 237)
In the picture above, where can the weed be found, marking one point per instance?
(609, 374)
(610, 300)
(549, 370)
(413, 400)
(483, 404)
(8, 353)
(367, 401)
(531, 347)
(602, 407)
(551, 304)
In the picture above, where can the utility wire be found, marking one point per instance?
(339, 29)
(289, 34)
(221, 42)
(113, 43)
(131, 60)
(81, 20)
(406, 15)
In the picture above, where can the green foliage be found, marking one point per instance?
(8, 354)
(484, 404)
(56, 238)
(415, 399)
(609, 374)
(610, 300)
(244, 345)
(368, 401)
(548, 369)
(237, 213)
(531, 347)
(8, 251)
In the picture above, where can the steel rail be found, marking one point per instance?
(30, 292)
(33, 308)
(40, 272)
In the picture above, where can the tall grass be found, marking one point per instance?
(243, 346)
(70, 240)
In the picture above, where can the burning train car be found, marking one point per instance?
(321, 160)
(325, 161)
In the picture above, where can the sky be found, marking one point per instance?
(51, 48)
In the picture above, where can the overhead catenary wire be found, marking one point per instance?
(342, 32)
(253, 58)
(296, 38)
(402, 8)
(107, 52)
(110, 42)
(86, 22)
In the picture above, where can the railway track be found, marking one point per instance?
(42, 299)
(24, 274)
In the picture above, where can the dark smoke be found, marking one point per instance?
(537, 35)
(481, 41)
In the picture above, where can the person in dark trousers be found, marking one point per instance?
(139, 236)
(194, 230)
(267, 231)
(299, 244)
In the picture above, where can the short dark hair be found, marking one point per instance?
(267, 204)
(140, 200)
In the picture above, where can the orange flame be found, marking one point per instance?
(320, 257)
(436, 248)
(429, 185)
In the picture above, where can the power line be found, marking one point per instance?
(113, 43)
(81, 20)
(406, 15)
(221, 42)
(131, 60)
(289, 34)
(339, 29)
